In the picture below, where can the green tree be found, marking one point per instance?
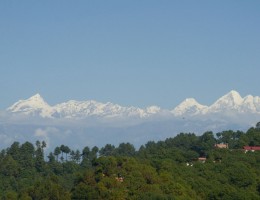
(39, 156)
(48, 189)
(257, 126)
(77, 156)
(11, 195)
(9, 166)
(125, 149)
(240, 175)
(62, 149)
(253, 135)
(14, 150)
(108, 150)
(86, 157)
(207, 141)
(27, 152)
(57, 152)
(51, 157)
(66, 151)
(94, 152)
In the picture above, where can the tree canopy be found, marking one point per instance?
(167, 169)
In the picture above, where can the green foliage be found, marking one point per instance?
(257, 125)
(57, 152)
(158, 170)
(253, 135)
(108, 150)
(125, 149)
(47, 189)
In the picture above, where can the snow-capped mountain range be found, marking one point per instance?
(81, 123)
(231, 103)
(36, 106)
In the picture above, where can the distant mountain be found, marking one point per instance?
(79, 110)
(79, 123)
(231, 103)
(189, 107)
(36, 106)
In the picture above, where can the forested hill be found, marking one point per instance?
(184, 167)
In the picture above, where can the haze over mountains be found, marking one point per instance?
(94, 123)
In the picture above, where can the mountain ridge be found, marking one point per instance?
(93, 123)
(231, 102)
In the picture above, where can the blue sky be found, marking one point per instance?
(139, 52)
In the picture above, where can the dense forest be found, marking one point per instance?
(184, 167)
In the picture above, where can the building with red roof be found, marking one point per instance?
(251, 148)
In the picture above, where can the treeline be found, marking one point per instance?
(157, 170)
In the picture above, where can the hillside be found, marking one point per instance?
(169, 169)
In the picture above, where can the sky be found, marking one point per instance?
(133, 53)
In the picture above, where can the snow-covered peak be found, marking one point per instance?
(233, 96)
(189, 106)
(35, 101)
(190, 102)
(257, 103)
(230, 101)
(81, 109)
(251, 104)
(36, 97)
(32, 106)
(248, 104)
(249, 100)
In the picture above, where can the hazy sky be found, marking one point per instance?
(135, 52)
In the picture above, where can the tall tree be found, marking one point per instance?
(14, 150)
(27, 155)
(77, 156)
(39, 157)
(62, 149)
(108, 150)
(57, 152)
(66, 151)
(126, 149)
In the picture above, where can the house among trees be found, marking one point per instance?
(221, 146)
(251, 148)
(202, 159)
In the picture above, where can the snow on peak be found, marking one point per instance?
(81, 109)
(190, 101)
(230, 101)
(189, 106)
(36, 97)
(251, 104)
(248, 104)
(234, 96)
(32, 106)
